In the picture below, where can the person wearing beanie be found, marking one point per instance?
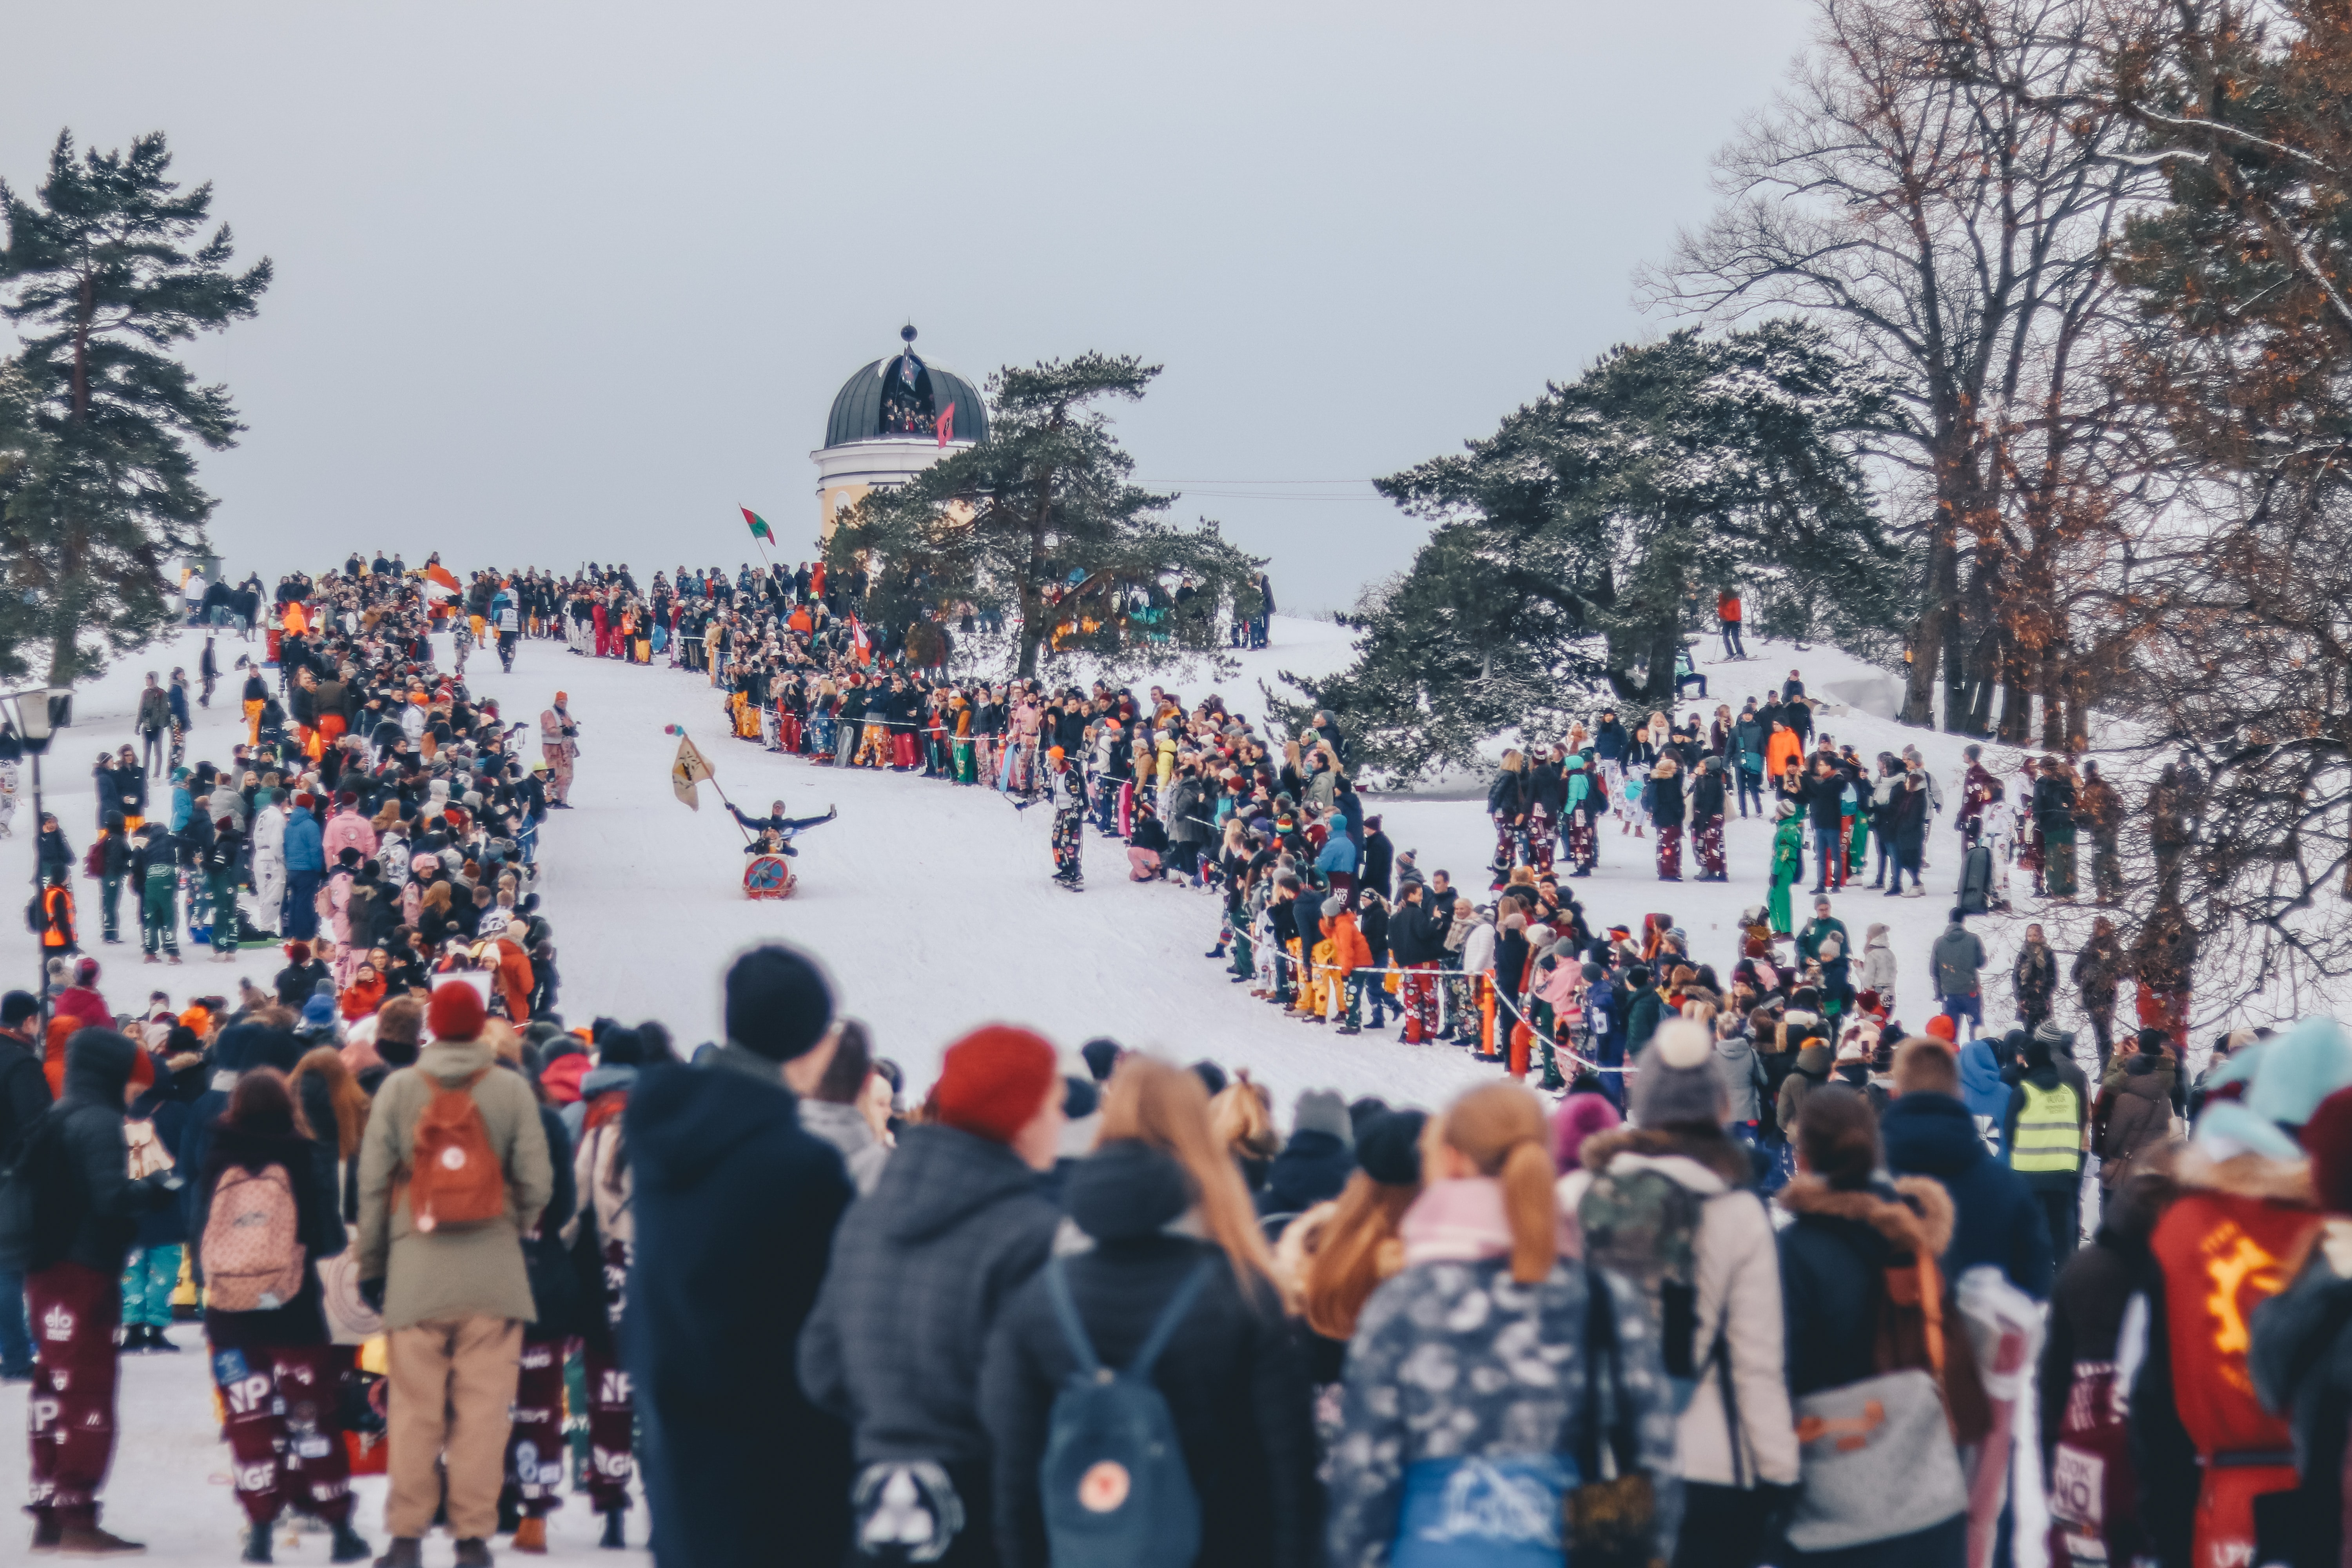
(2046, 1131)
(918, 1271)
(1679, 1110)
(85, 1216)
(1315, 1161)
(454, 1298)
(2204, 1438)
(733, 1217)
(1930, 1129)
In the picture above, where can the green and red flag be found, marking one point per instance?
(760, 529)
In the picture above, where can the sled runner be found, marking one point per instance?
(768, 877)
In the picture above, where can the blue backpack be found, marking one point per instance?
(1117, 1493)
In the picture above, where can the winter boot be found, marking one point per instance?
(46, 1532)
(156, 1342)
(475, 1553)
(348, 1546)
(531, 1535)
(509, 1511)
(406, 1551)
(256, 1542)
(615, 1537)
(90, 1541)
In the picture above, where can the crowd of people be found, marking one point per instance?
(1048, 1310)
(1773, 1279)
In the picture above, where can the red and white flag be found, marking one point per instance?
(946, 424)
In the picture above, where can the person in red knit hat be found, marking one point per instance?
(454, 1296)
(919, 1270)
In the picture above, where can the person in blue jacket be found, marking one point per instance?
(1335, 864)
(1929, 1131)
(1986, 1093)
(306, 866)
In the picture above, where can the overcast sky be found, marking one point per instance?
(562, 282)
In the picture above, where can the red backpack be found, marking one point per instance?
(454, 1175)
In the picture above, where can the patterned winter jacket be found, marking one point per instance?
(1459, 1361)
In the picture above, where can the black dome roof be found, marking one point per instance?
(859, 407)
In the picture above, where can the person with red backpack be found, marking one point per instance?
(266, 1215)
(454, 1158)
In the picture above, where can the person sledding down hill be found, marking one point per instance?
(772, 834)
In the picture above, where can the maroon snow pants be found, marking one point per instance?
(69, 1418)
(612, 1434)
(285, 1428)
(535, 1445)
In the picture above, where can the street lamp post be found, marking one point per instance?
(37, 715)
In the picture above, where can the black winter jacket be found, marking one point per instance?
(90, 1208)
(920, 1268)
(1232, 1374)
(735, 1208)
(1312, 1166)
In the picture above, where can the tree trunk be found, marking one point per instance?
(2054, 698)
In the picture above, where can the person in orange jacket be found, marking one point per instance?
(1351, 960)
(514, 978)
(1784, 750)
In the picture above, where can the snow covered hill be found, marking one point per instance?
(933, 905)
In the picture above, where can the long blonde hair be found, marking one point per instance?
(1165, 1106)
(1500, 1129)
(1242, 1121)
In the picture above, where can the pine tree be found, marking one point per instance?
(1571, 546)
(1039, 523)
(104, 271)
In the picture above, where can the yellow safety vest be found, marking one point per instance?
(2049, 1131)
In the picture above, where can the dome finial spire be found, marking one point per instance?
(907, 333)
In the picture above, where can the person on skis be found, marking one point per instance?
(778, 827)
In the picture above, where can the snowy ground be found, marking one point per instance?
(932, 907)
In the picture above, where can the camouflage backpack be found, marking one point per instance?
(1643, 1225)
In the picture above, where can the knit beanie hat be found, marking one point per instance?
(2302, 1068)
(1101, 1056)
(455, 1012)
(1941, 1028)
(1678, 1081)
(1322, 1110)
(993, 1081)
(1580, 1116)
(1334, 906)
(1388, 1150)
(778, 1004)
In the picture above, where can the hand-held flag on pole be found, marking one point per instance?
(947, 424)
(688, 769)
(863, 644)
(760, 529)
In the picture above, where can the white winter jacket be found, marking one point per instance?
(1878, 965)
(1739, 1296)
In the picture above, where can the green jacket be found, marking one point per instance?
(1789, 850)
(444, 1275)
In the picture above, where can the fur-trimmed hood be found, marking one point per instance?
(1922, 1221)
(1719, 1157)
(2246, 1176)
